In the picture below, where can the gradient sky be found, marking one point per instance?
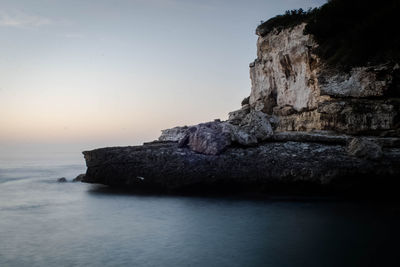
(89, 73)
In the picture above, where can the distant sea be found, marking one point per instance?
(46, 223)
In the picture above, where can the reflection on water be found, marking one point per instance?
(45, 223)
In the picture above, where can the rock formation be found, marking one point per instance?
(206, 138)
(79, 178)
(295, 166)
(364, 148)
(303, 93)
(62, 180)
(297, 125)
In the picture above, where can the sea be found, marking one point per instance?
(47, 223)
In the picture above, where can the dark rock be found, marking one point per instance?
(267, 104)
(170, 168)
(364, 148)
(284, 111)
(207, 138)
(246, 101)
(314, 137)
(359, 116)
(62, 180)
(328, 137)
(79, 178)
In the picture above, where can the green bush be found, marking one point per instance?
(289, 19)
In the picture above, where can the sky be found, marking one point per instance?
(81, 74)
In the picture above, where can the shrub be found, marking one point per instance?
(349, 32)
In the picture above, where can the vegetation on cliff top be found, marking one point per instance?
(291, 18)
(349, 33)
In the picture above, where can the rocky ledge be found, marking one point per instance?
(287, 167)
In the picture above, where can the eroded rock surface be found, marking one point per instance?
(79, 178)
(364, 148)
(166, 167)
(211, 138)
(174, 134)
(206, 138)
(360, 82)
(290, 82)
(284, 73)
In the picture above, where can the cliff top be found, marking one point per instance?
(349, 33)
(290, 19)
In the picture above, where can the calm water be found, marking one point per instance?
(45, 223)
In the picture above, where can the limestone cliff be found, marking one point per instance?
(295, 87)
(285, 72)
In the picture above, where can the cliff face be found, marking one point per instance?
(285, 73)
(294, 86)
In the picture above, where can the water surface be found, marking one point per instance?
(45, 223)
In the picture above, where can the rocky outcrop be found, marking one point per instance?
(174, 134)
(250, 128)
(79, 178)
(263, 168)
(296, 128)
(361, 116)
(360, 82)
(206, 138)
(364, 148)
(285, 71)
(292, 89)
(244, 127)
(303, 93)
(62, 180)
